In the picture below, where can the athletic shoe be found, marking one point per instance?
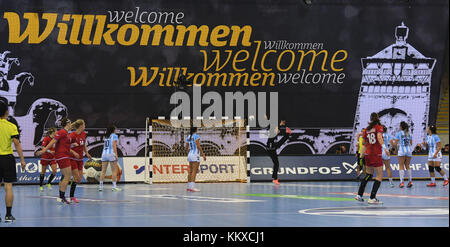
(100, 188)
(41, 189)
(9, 219)
(62, 200)
(275, 181)
(374, 201)
(74, 199)
(431, 185)
(195, 190)
(359, 198)
(409, 185)
(116, 189)
(392, 185)
(49, 186)
(402, 184)
(445, 182)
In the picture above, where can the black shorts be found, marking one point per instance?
(8, 169)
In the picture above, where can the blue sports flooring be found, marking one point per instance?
(299, 204)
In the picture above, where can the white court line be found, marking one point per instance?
(307, 185)
(197, 198)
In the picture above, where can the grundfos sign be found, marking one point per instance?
(343, 167)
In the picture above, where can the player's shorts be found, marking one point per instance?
(77, 165)
(46, 162)
(194, 157)
(437, 159)
(385, 156)
(108, 157)
(64, 163)
(8, 169)
(403, 154)
(374, 160)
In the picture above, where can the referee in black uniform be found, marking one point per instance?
(8, 135)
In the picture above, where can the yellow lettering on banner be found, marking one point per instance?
(245, 38)
(75, 29)
(32, 30)
(236, 60)
(315, 54)
(216, 60)
(123, 31)
(157, 33)
(63, 30)
(263, 58)
(143, 77)
(217, 76)
(281, 56)
(193, 30)
(239, 76)
(254, 77)
(101, 20)
(217, 33)
(107, 35)
(87, 29)
(333, 60)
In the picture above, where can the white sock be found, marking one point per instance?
(114, 184)
(432, 179)
(410, 175)
(402, 174)
(190, 185)
(101, 183)
(445, 177)
(390, 180)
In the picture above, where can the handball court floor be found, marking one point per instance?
(291, 204)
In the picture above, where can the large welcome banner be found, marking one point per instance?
(325, 66)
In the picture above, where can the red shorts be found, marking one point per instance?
(47, 162)
(64, 163)
(374, 160)
(77, 164)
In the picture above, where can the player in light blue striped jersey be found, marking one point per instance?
(404, 141)
(195, 150)
(389, 141)
(434, 155)
(110, 156)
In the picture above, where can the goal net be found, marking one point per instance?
(224, 142)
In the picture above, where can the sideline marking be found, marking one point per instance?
(300, 197)
(86, 199)
(197, 198)
(380, 211)
(394, 195)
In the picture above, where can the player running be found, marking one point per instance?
(48, 158)
(388, 140)
(404, 141)
(78, 139)
(195, 150)
(61, 140)
(110, 156)
(373, 148)
(434, 156)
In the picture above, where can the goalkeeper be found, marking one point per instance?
(273, 145)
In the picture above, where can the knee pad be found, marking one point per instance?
(431, 168)
(437, 168)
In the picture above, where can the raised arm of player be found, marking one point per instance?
(49, 145)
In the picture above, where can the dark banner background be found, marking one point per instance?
(93, 82)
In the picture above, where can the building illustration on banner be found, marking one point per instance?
(396, 84)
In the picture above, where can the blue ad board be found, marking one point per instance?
(339, 167)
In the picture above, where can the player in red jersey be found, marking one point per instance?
(48, 159)
(62, 156)
(78, 139)
(373, 148)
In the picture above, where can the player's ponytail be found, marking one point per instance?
(193, 130)
(64, 122)
(374, 120)
(433, 129)
(77, 124)
(110, 130)
(405, 127)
